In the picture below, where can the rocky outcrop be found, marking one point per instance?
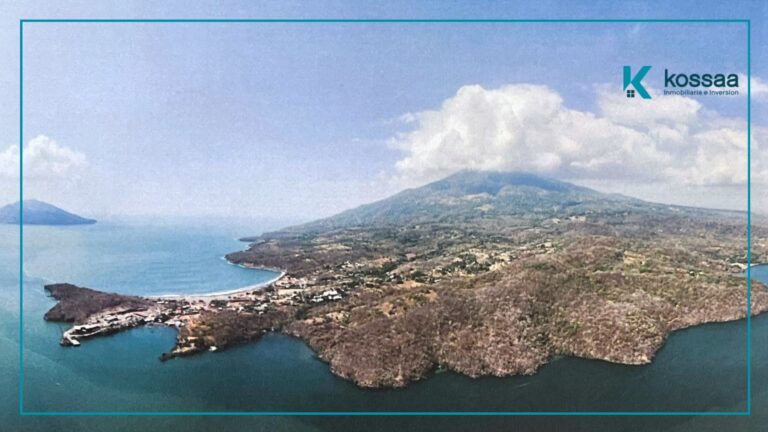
(76, 304)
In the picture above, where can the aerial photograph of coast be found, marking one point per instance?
(441, 216)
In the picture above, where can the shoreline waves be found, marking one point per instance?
(223, 294)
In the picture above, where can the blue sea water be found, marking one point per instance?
(699, 369)
(138, 258)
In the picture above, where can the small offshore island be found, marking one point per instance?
(482, 273)
(36, 212)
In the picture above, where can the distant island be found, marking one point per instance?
(482, 273)
(40, 213)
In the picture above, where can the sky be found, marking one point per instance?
(301, 120)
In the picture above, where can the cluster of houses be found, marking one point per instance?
(287, 291)
(327, 295)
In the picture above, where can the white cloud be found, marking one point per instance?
(9, 162)
(527, 128)
(759, 88)
(44, 158)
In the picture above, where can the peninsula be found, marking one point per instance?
(482, 273)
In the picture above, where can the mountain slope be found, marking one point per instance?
(465, 210)
(495, 273)
(467, 194)
(40, 213)
(487, 199)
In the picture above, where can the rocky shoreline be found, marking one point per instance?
(487, 325)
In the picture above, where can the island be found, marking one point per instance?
(40, 213)
(481, 273)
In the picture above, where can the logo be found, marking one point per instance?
(703, 80)
(636, 82)
(683, 84)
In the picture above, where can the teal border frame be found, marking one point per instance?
(747, 412)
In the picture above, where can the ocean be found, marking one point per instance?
(699, 369)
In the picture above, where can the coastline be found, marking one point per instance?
(225, 294)
(250, 267)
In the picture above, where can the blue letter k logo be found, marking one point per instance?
(637, 80)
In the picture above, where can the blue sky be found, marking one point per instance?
(298, 121)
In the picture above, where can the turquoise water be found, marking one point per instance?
(143, 259)
(699, 369)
